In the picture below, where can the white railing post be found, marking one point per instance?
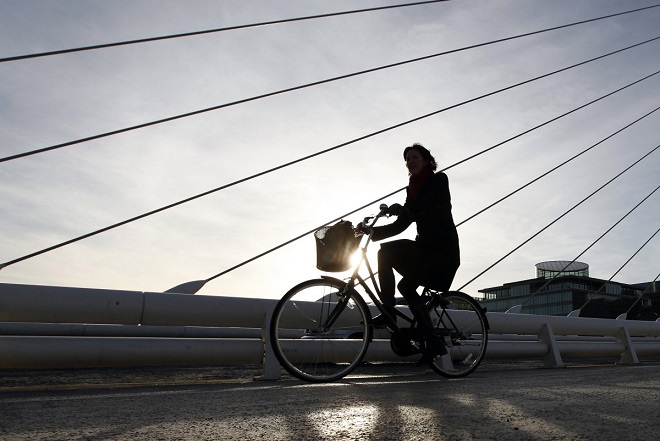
(271, 366)
(629, 356)
(553, 357)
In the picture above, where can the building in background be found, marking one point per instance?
(563, 288)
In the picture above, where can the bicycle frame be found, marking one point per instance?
(375, 297)
(321, 307)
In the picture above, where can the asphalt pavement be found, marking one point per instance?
(592, 399)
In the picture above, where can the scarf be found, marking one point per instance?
(418, 181)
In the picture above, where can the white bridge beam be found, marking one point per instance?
(174, 330)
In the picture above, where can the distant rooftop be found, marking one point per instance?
(553, 268)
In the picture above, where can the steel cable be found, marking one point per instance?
(560, 217)
(307, 233)
(291, 89)
(152, 212)
(558, 166)
(608, 280)
(225, 29)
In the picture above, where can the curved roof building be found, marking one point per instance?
(553, 268)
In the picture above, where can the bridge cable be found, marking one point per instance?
(651, 284)
(291, 89)
(307, 233)
(191, 198)
(557, 167)
(544, 174)
(229, 28)
(610, 279)
(589, 247)
(152, 212)
(557, 219)
(634, 254)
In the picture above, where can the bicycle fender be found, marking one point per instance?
(481, 308)
(334, 279)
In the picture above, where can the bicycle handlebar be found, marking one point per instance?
(373, 219)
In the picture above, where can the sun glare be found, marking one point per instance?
(355, 258)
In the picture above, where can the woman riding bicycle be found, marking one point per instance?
(433, 258)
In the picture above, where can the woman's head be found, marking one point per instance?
(417, 158)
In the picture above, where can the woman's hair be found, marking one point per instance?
(426, 155)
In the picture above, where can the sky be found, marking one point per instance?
(55, 196)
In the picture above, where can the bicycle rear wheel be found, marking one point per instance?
(462, 322)
(320, 333)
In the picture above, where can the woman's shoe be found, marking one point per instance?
(435, 346)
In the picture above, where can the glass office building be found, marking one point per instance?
(563, 288)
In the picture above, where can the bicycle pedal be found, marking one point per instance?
(442, 332)
(426, 359)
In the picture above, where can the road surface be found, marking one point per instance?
(385, 402)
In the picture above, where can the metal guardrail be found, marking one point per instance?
(62, 327)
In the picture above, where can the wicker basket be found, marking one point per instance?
(335, 245)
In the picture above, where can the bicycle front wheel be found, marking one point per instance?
(320, 330)
(462, 322)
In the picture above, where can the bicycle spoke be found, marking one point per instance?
(331, 331)
(460, 321)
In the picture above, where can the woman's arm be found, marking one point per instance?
(402, 222)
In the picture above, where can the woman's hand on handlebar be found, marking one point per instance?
(395, 210)
(392, 210)
(364, 227)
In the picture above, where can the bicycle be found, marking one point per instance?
(321, 329)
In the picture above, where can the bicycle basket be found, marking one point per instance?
(335, 245)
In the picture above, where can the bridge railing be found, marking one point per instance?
(61, 327)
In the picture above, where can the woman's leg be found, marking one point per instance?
(411, 280)
(406, 257)
(394, 255)
(434, 345)
(399, 255)
(386, 277)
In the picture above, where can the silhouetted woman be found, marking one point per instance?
(433, 258)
